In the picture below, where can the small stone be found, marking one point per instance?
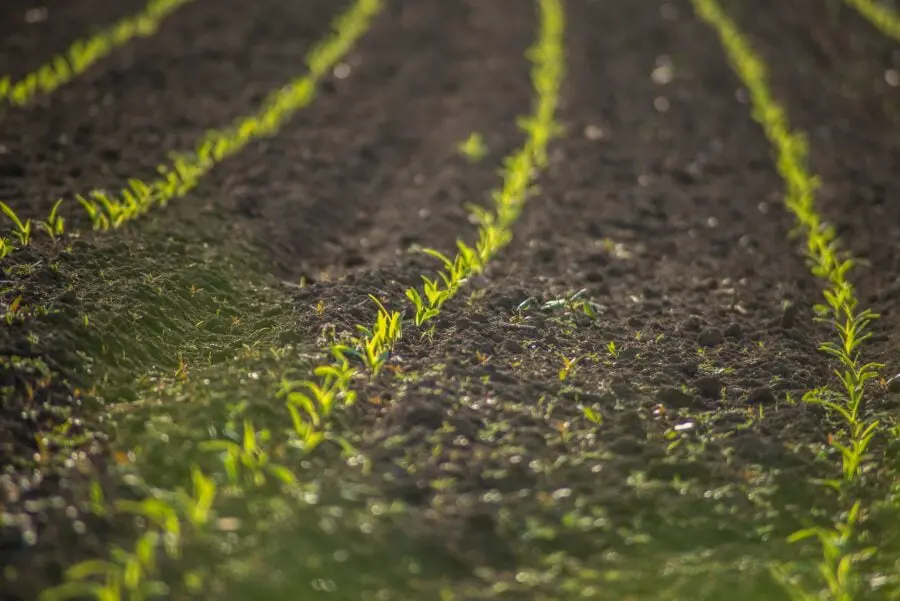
(675, 397)
(762, 395)
(689, 368)
(628, 353)
(513, 347)
(734, 330)
(635, 322)
(893, 385)
(710, 337)
(709, 387)
(691, 324)
(12, 170)
(789, 315)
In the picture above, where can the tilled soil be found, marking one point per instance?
(486, 477)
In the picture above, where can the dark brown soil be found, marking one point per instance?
(661, 204)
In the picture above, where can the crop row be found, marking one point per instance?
(311, 403)
(841, 551)
(84, 53)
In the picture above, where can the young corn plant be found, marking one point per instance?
(126, 575)
(21, 229)
(377, 342)
(55, 225)
(248, 458)
(847, 403)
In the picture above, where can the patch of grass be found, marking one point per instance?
(838, 569)
(83, 53)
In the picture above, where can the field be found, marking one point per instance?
(455, 300)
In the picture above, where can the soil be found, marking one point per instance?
(484, 476)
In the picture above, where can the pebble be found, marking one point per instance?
(789, 316)
(675, 397)
(709, 387)
(513, 347)
(734, 330)
(691, 323)
(893, 385)
(710, 337)
(762, 395)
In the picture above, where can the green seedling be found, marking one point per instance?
(613, 350)
(378, 342)
(125, 576)
(473, 148)
(839, 560)
(248, 458)
(22, 229)
(54, 226)
(568, 367)
(592, 416)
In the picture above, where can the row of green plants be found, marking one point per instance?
(184, 171)
(174, 515)
(495, 223)
(838, 570)
(84, 53)
(879, 15)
